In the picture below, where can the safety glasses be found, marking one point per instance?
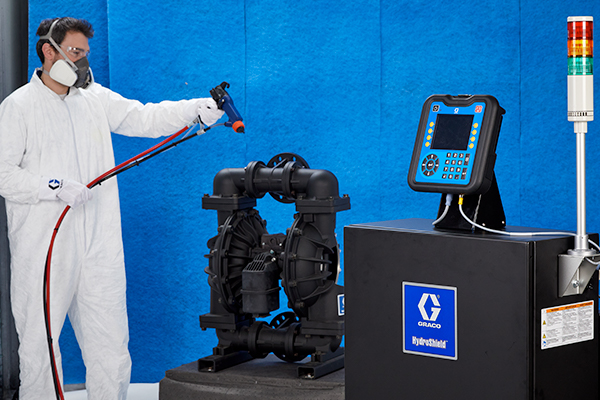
(76, 52)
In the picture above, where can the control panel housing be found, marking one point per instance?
(455, 148)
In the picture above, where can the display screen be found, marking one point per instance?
(452, 132)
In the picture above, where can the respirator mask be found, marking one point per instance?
(66, 72)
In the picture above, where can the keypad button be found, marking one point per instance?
(430, 164)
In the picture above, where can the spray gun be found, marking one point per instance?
(225, 103)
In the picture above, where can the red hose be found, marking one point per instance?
(57, 385)
(123, 164)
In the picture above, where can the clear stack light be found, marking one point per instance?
(576, 268)
(580, 89)
(581, 69)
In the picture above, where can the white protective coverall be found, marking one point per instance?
(44, 135)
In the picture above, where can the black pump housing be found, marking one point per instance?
(246, 264)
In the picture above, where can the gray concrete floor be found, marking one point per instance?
(137, 391)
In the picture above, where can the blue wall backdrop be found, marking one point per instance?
(341, 84)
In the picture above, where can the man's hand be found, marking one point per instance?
(209, 112)
(71, 192)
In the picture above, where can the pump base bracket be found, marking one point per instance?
(574, 273)
(322, 364)
(219, 362)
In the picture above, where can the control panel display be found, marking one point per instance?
(455, 150)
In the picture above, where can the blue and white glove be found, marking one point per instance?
(71, 192)
(208, 111)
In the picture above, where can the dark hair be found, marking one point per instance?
(64, 25)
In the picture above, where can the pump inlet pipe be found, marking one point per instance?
(579, 264)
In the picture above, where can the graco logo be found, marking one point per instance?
(435, 311)
(53, 184)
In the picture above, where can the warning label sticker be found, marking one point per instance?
(568, 324)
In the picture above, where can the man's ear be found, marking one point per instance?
(48, 52)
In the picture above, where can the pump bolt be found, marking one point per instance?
(576, 283)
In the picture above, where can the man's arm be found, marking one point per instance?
(16, 183)
(132, 118)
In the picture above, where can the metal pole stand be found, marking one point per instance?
(575, 269)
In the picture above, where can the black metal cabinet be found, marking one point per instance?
(502, 284)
